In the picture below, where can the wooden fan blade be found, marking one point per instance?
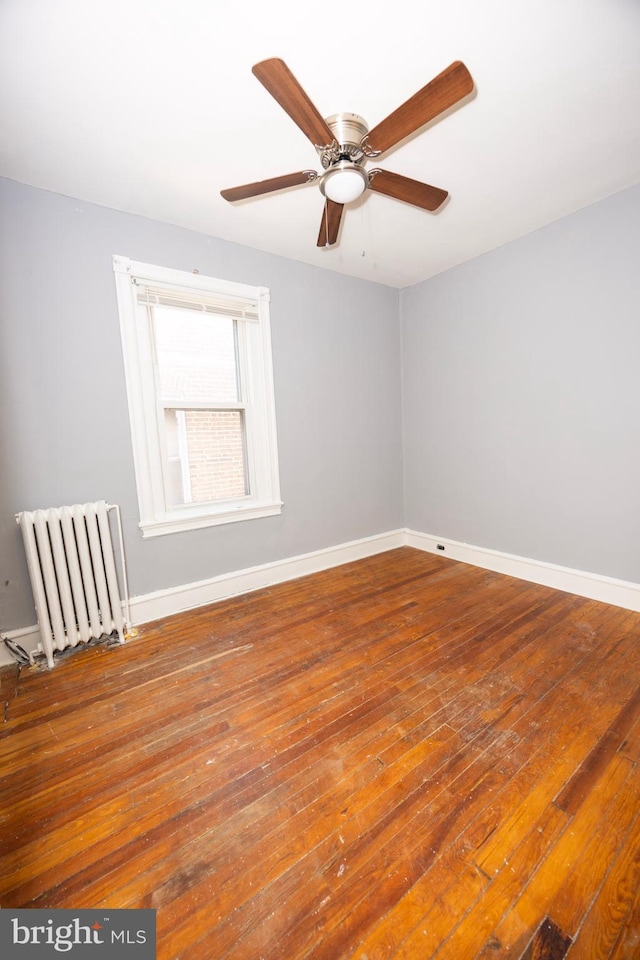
(330, 225)
(268, 186)
(276, 77)
(442, 92)
(403, 188)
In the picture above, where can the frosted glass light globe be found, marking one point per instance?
(344, 182)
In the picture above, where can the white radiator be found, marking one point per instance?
(73, 574)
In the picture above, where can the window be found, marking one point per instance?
(198, 367)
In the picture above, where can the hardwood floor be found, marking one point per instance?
(404, 757)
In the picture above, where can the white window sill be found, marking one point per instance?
(178, 524)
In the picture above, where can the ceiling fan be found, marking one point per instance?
(344, 142)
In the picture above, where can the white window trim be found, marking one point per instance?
(262, 452)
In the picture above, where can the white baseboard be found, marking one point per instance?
(164, 603)
(620, 593)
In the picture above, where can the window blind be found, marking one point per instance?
(237, 308)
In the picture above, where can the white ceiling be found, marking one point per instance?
(150, 106)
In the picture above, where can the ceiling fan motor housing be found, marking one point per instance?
(349, 130)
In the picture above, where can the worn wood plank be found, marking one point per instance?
(410, 909)
(553, 879)
(590, 868)
(590, 770)
(318, 770)
(429, 909)
(160, 804)
(549, 943)
(478, 923)
(569, 737)
(338, 922)
(608, 925)
(628, 943)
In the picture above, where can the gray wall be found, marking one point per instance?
(65, 433)
(521, 395)
(520, 376)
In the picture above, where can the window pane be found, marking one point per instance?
(206, 454)
(196, 356)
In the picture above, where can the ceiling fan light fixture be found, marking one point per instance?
(344, 182)
(344, 142)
